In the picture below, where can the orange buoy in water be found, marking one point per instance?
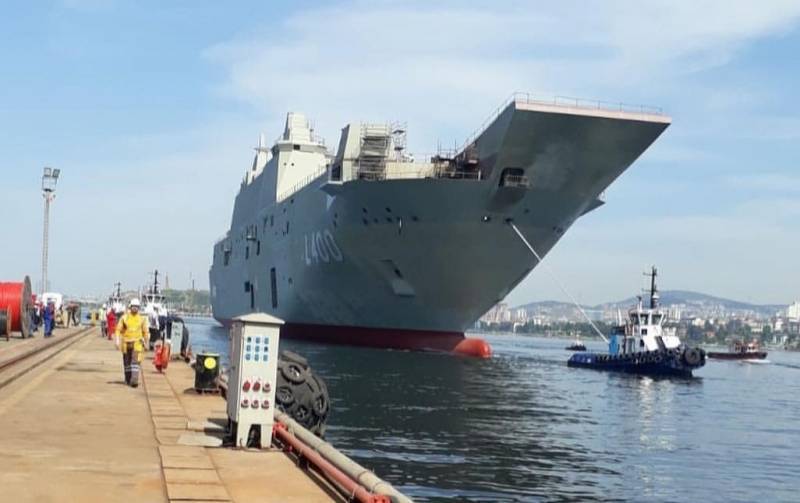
(16, 299)
(471, 346)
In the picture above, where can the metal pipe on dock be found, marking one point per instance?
(348, 485)
(350, 468)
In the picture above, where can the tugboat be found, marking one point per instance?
(740, 351)
(155, 308)
(640, 345)
(115, 300)
(154, 301)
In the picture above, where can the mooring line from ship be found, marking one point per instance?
(552, 275)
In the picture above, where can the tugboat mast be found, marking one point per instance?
(154, 289)
(654, 297)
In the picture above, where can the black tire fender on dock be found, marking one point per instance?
(291, 356)
(284, 396)
(293, 372)
(302, 394)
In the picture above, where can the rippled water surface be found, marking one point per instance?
(524, 427)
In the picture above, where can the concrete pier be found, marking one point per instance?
(71, 430)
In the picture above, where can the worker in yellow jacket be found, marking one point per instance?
(131, 334)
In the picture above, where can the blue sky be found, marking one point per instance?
(151, 110)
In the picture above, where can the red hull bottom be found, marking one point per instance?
(415, 340)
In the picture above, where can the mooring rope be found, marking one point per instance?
(552, 275)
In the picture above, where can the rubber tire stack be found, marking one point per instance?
(301, 394)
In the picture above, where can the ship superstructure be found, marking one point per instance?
(370, 246)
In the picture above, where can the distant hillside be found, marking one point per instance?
(188, 300)
(691, 301)
(672, 297)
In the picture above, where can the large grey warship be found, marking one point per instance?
(369, 246)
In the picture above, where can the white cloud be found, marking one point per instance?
(442, 68)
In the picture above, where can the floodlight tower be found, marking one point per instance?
(49, 181)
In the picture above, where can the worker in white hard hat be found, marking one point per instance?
(131, 334)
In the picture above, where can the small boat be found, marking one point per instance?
(739, 350)
(640, 345)
(576, 346)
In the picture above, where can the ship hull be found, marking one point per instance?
(408, 340)
(446, 264)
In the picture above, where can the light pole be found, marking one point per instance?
(49, 181)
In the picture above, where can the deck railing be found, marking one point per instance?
(416, 172)
(560, 101)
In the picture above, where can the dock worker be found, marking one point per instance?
(154, 327)
(111, 323)
(102, 316)
(131, 337)
(36, 316)
(74, 314)
(49, 318)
